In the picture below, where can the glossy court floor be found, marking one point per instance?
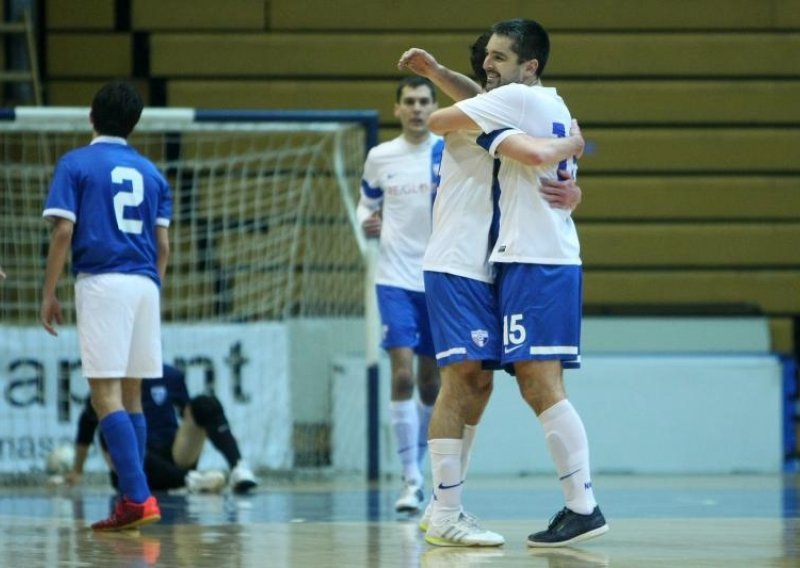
(737, 520)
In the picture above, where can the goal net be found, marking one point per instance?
(265, 283)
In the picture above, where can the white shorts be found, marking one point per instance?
(119, 325)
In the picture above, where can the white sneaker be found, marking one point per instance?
(211, 481)
(242, 478)
(461, 531)
(411, 498)
(425, 519)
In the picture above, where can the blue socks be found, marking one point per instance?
(123, 446)
(140, 427)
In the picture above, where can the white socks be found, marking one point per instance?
(569, 447)
(447, 479)
(405, 423)
(424, 413)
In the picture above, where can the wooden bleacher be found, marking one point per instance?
(692, 176)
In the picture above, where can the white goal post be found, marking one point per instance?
(266, 280)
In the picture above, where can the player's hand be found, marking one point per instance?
(418, 61)
(2, 274)
(562, 193)
(73, 478)
(372, 225)
(575, 130)
(50, 313)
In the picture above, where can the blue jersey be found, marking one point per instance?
(161, 398)
(116, 197)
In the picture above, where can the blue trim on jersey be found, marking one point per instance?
(494, 227)
(486, 140)
(436, 164)
(371, 192)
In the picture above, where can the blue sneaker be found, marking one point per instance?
(568, 527)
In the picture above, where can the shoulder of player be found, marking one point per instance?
(386, 150)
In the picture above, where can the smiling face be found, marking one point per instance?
(413, 109)
(502, 64)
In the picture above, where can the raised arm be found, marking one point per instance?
(455, 85)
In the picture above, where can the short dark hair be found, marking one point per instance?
(116, 109)
(477, 55)
(529, 40)
(414, 81)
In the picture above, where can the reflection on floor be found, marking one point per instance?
(655, 521)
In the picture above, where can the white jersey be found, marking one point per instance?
(400, 178)
(530, 230)
(462, 212)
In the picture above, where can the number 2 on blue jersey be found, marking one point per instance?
(123, 199)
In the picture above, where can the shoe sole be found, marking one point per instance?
(133, 525)
(406, 509)
(244, 487)
(444, 542)
(580, 538)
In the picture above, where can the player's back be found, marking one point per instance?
(462, 212)
(531, 230)
(116, 197)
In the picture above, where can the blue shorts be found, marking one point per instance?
(540, 306)
(464, 319)
(404, 317)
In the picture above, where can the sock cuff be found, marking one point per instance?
(556, 411)
(403, 405)
(114, 418)
(445, 446)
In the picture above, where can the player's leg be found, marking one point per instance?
(541, 308)
(400, 336)
(205, 418)
(108, 310)
(189, 441)
(465, 333)
(428, 380)
(132, 401)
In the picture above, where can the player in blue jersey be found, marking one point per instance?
(461, 296)
(112, 207)
(535, 252)
(397, 189)
(173, 446)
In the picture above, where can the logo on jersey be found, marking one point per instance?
(479, 337)
(159, 394)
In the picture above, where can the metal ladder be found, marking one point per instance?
(31, 75)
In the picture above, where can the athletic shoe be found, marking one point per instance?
(461, 531)
(411, 498)
(425, 519)
(568, 527)
(129, 515)
(211, 481)
(242, 478)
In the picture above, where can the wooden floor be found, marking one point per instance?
(737, 520)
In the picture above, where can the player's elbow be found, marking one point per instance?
(536, 157)
(437, 124)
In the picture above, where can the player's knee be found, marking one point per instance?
(207, 411)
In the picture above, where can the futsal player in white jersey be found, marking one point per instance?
(461, 299)
(397, 190)
(537, 259)
(112, 206)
